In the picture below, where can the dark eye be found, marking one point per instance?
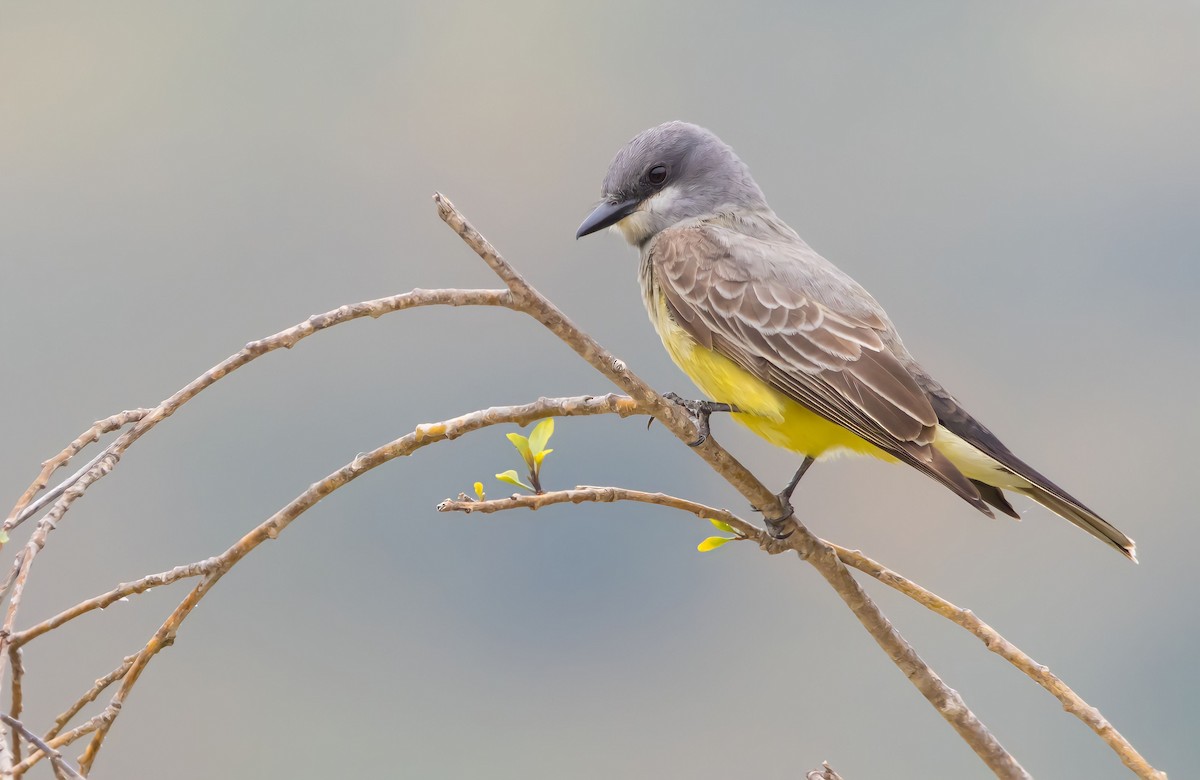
(657, 175)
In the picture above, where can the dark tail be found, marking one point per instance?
(1080, 515)
(959, 422)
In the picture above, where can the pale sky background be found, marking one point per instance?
(1018, 183)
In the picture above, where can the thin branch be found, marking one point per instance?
(98, 429)
(423, 436)
(992, 640)
(285, 339)
(56, 758)
(12, 574)
(6, 760)
(146, 419)
(589, 494)
(38, 539)
(806, 544)
(164, 637)
(55, 740)
(90, 696)
(73, 488)
(67, 737)
(17, 695)
(53, 494)
(125, 589)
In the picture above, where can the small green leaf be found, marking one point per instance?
(511, 478)
(723, 526)
(538, 457)
(712, 543)
(479, 491)
(522, 445)
(541, 434)
(3, 537)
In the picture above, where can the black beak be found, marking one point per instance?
(607, 214)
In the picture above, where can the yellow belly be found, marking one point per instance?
(766, 411)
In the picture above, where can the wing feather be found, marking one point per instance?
(746, 298)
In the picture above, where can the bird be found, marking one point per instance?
(801, 353)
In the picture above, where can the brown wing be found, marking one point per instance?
(750, 300)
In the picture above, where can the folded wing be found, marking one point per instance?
(747, 299)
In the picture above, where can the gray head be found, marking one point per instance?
(668, 174)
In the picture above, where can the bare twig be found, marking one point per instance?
(17, 694)
(98, 429)
(423, 436)
(6, 759)
(806, 544)
(67, 737)
(992, 640)
(73, 488)
(60, 764)
(146, 420)
(588, 494)
(55, 740)
(213, 568)
(52, 495)
(90, 696)
(38, 539)
(103, 600)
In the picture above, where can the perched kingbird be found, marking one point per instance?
(759, 320)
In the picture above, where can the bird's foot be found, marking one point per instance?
(777, 527)
(700, 412)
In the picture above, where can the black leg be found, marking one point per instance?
(775, 527)
(785, 496)
(700, 412)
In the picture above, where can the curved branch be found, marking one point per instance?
(423, 436)
(103, 600)
(74, 487)
(17, 701)
(285, 339)
(806, 544)
(71, 489)
(992, 640)
(56, 758)
(92, 434)
(592, 494)
(64, 739)
(89, 696)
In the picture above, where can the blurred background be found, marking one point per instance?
(1017, 183)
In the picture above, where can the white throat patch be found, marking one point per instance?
(649, 217)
